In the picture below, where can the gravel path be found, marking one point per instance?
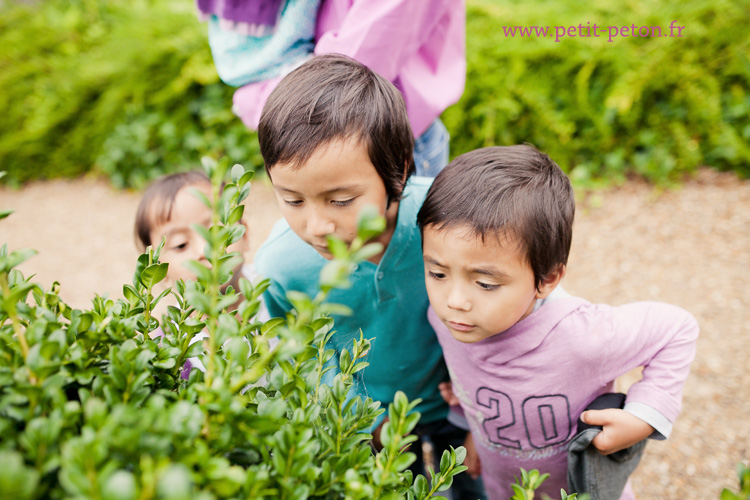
(690, 247)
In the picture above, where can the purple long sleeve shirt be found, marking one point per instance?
(523, 390)
(419, 45)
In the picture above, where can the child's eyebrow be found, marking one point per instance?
(175, 230)
(489, 271)
(432, 261)
(338, 189)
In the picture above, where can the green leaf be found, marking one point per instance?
(237, 172)
(370, 223)
(270, 325)
(404, 460)
(201, 196)
(518, 492)
(153, 274)
(131, 294)
(460, 454)
(727, 494)
(174, 483)
(420, 487)
(120, 486)
(16, 258)
(236, 215)
(445, 461)
(338, 248)
(367, 251)
(16, 480)
(201, 272)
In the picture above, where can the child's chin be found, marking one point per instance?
(325, 253)
(465, 338)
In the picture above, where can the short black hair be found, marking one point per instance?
(334, 97)
(155, 206)
(507, 191)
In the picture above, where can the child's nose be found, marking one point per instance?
(457, 300)
(318, 225)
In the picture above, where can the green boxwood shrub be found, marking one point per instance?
(92, 403)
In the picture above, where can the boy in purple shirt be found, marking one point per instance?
(526, 358)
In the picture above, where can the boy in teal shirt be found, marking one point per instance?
(335, 138)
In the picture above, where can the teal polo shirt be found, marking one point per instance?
(388, 300)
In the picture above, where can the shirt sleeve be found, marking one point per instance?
(662, 339)
(383, 34)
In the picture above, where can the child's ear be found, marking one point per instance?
(550, 282)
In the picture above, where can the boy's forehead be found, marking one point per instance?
(482, 247)
(336, 166)
(490, 240)
(296, 160)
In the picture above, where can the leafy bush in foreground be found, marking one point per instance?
(91, 406)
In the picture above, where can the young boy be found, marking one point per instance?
(169, 209)
(526, 358)
(335, 137)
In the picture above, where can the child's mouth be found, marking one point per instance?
(461, 327)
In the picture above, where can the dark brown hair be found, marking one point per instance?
(511, 191)
(334, 97)
(156, 204)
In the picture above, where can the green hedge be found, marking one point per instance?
(656, 107)
(126, 87)
(129, 89)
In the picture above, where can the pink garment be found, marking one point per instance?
(523, 390)
(419, 45)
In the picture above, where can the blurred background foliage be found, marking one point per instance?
(655, 107)
(124, 87)
(128, 89)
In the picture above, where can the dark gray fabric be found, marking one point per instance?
(603, 477)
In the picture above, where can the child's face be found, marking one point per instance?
(183, 243)
(326, 194)
(478, 289)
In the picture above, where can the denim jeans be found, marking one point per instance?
(431, 150)
(443, 434)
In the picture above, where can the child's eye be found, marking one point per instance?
(180, 246)
(487, 286)
(437, 276)
(293, 203)
(342, 203)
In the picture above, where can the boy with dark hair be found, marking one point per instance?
(335, 137)
(525, 357)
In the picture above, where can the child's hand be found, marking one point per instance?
(446, 390)
(620, 429)
(472, 458)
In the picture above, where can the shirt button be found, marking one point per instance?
(380, 275)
